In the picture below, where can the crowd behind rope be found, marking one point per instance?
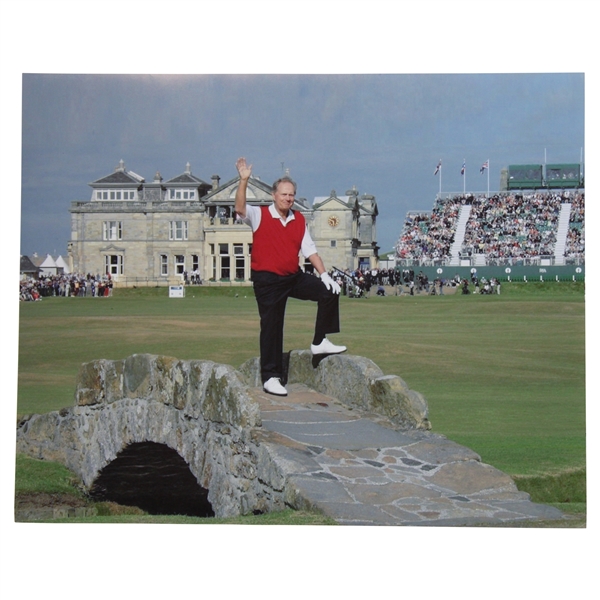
(511, 226)
(359, 282)
(71, 284)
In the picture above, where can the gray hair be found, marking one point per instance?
(284, 179)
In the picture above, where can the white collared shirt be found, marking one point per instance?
(254, 215)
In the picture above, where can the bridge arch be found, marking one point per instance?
(199, 409)
(154, 478)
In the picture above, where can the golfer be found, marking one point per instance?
(279, 235)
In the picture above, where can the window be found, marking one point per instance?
(182, 194)
(112, 230)
(178, 230)
(334, 243)
(240, 267)
(240, 261)
(225, 267)
(113, 264)
(195, 262)
(164, 265)
(115, 194)
(223, 249)
(179, 264)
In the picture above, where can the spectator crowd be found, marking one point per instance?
(429, 236)
(575, 248)
(71, 284)
(358, 283)
(506, 227)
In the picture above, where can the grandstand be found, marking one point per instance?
(516, 234)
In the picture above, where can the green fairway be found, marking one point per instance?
(503, 375)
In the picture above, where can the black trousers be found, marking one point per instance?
(271, 292)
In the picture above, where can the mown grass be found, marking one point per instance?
(44, 477)
(503, 375)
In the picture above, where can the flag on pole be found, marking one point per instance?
(439, 166)
(484, 166)
(464, 168)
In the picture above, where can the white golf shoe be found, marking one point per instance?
(273, 386)
(326, 347)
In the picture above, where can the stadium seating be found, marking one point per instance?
(516, 227)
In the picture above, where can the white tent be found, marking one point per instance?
(62, 264)
(48, 266)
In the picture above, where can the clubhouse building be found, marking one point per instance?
(158, 232)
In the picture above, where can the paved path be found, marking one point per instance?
(355, 468)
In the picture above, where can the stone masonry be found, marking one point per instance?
(199, 408)
(348, 440)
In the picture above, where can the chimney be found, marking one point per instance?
(215, 181)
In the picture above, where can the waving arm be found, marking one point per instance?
(240, 195)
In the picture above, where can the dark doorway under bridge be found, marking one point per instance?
(154, 478)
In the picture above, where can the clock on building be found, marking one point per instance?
(333, 221)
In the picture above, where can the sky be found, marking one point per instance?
(383, 133)
(371, 94)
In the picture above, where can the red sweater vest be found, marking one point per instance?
(275, 247)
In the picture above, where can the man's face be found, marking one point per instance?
(284, 197)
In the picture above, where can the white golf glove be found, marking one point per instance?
(330, 284)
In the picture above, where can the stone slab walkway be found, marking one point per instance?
(357, 469)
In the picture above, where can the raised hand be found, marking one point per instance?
(243, 169)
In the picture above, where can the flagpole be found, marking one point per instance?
(488, 174)
(464, 177)
(438, 171)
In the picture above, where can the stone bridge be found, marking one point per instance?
(348, 440)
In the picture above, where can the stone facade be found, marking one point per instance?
(152, 233)
(344, 230)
